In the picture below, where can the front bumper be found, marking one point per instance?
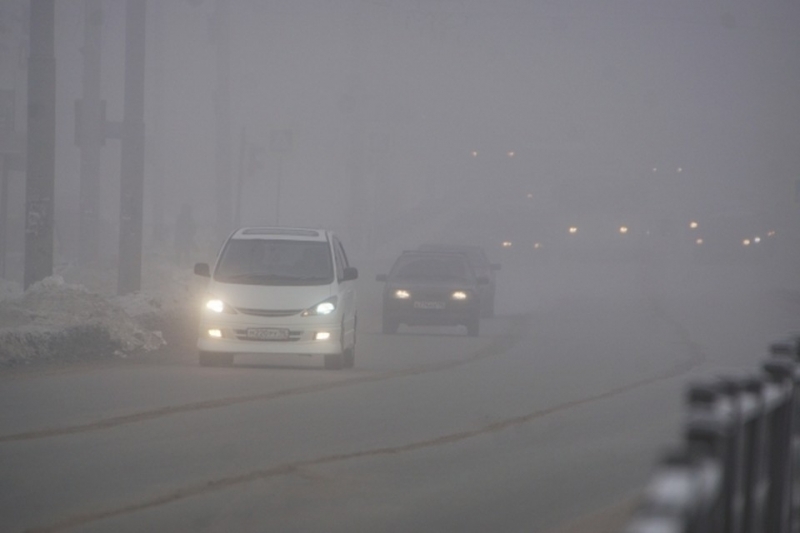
(453, 314)
(300, 338)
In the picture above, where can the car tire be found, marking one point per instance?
(473, 327)
(350, 357)
(390, 326)
(487, 309)
(350, 353)
(337, 361)
(215, 359)
(334, 361)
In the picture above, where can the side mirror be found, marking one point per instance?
(483, 280)
(202, 269)
(380, 277)
(349, 273)
(495, 266)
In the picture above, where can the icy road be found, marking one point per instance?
(550, 421)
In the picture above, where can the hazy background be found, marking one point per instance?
(381, 117)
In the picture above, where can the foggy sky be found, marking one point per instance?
(590, 96)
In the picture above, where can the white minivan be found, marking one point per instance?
(277, 294)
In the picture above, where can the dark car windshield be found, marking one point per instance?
(476, 256)
(275, 262)
(431, 268)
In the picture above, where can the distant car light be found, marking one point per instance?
(215, 333)
(699, 241)
(402, 294)
(459, 295)
(322, 335)
(537, 245)
(746, 242)
(770, 234)
(506, 244)
(623, 229)
(573, 230)
(757, 240)
(693, 224)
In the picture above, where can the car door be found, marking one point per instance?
(347, 293)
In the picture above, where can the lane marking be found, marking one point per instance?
(498, 345)
(215, 485)
(696, 357)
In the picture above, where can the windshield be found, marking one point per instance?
(275, 262)
(421, 268)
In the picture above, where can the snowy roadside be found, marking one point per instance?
(57, 321)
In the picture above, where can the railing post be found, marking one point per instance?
(711, 432)
(680, 495)
(756, 458)
(783, 373)
(740, 469)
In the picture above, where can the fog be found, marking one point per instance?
(633, 166)
(386, 120)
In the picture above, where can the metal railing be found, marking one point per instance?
(737, 469)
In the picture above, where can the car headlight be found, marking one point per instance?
(218, 306)
(401, 294)
(325, 307)
(459, 295)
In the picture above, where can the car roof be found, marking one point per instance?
(281, 233)
(472, 251)
(452, 247)
(443, 253)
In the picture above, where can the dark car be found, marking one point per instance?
(427, 288)
(481, 265)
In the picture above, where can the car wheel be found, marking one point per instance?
(473, 327)
(350, 357)
(350, 353)
(215, 359)
(487, 306)
(390, 326)
(334, 361)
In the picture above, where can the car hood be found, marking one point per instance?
(270, 296)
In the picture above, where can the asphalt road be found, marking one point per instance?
(550, 421)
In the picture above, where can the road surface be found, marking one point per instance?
(548, 422)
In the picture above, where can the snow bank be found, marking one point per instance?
(57, 320)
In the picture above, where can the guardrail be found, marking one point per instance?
(737, 469)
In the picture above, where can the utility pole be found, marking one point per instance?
(90, 118)
(153, 146)
(222, 116)
(357, 223)
(40, 180)
(132, 157)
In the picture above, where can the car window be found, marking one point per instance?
(275, 262)
(430, 268)
(340, 247)
(340, 261)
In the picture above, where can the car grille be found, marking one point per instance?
(268, 312)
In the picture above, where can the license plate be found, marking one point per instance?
(268, 334)
(430, 305)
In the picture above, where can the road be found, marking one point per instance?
(548, 422)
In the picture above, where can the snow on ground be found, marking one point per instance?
(59, 320)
